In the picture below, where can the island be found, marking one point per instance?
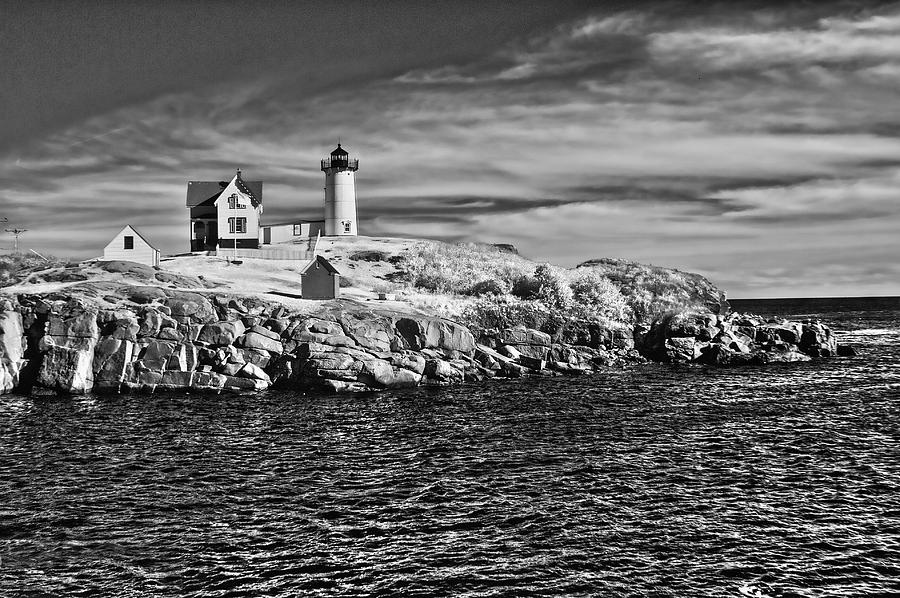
(410, 313)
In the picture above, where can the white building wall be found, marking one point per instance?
(286, 233)
(340, 202)
(249, 212)
(143, 252)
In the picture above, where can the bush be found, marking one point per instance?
(526, 286)
(369, 256)
(504, 312)
(651, 291)
(445, 268)
(596, 293)
(553, 287)
(489, 287)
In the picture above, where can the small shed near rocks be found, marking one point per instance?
(320, 280)
(130, 245)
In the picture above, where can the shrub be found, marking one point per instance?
(489, 287)
(651, 291)
(504, 312)
(597, 294)
(445, 268)
(526, 286)
(553, 286)
(369, 256)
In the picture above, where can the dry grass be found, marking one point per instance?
(17, 267)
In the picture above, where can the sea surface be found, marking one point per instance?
(782, 480)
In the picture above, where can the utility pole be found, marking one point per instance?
(17, 232)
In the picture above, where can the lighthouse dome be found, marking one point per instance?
(339, 151)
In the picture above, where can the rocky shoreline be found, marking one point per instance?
(164, 339)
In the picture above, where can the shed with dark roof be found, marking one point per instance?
(320, 280)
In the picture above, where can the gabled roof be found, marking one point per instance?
(255, 198)
(319, 260)
(206, 192)
(135, 231)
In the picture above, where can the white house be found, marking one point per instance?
(224, 214)
(130, 245)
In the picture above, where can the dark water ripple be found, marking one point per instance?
(668, 482)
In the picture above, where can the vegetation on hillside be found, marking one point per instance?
(502, 289)
(652, 291)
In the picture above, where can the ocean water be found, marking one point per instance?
(774, 481)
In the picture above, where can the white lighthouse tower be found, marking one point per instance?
(340, 193)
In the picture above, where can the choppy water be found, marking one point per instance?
(782, 481)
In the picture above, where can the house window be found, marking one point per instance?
(234, 202)
(129, 242)
(346, 226)
(298, 229)
(237, 225)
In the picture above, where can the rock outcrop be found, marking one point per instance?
(154, 338)
(735, 339)
(164, 339)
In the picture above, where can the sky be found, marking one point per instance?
(757, 143)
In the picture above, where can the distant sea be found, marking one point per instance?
(781, 480)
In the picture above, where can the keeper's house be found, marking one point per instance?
(224, 214)
(131, 246)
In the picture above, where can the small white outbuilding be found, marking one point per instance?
(130, 245)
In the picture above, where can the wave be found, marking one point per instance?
(873, 332)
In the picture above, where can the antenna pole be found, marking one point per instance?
(17, 232)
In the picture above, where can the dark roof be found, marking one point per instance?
(206, 192)
(135, 231)
(339, 151)
(321, 260)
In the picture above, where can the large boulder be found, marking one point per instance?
(154, 354)
(190, 307)
(369, 334)
(418, 333)
(682, 349)
(111, 359)
(68, 350)
(221, 333)
(67, 369)
(439, 371)
(70, 326)
(254, 340)
(378, 373)
(787, 332)
(257, 373)
(521, 335)
(150, 323)
(455, 337)
(817, 340)
(12, 349)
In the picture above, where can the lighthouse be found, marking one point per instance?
(340, 193)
